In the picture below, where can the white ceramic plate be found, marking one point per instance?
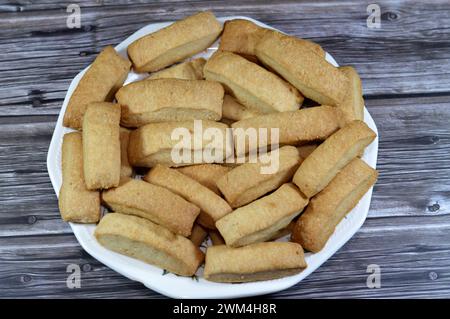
(182, 287)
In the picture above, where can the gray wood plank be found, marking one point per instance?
(413, 163)
(40, 56)
(28, 202)
(413, 253)
(26, 5)
(413, 156)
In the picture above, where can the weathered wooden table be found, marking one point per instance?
(405, 67)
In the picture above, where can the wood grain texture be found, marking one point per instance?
(413, 162)
(404, 67)
(413, 157)
(40, 55)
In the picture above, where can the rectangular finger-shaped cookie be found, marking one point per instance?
(190, 70)
(153, 202)
(261, 261)
(213, 207)
(240, 36)
(315, 226)
(205, 174)
(262, 219)
(233, 110)
(77, 204)
(99, 84)
(101, 145)
(248, 182)
(299, 42)
(322, 165)
(174, 43)
(251, 84)
(309, 72)
(161, 100)
(144, 240)
(352, 106)
(176, 144)
(296, 127)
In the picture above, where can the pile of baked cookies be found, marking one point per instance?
(258, 78)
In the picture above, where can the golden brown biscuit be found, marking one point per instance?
(216, 238)
(101, 145)
(162, 100)
(99, 84)
(125, 168)
(322, 165)
(310, 73)
(246, 182)
(241, 36)
(326, 210)
(296, 127)
(261, 261)
(155, 203)
(77, 204)
(233, 110)
(206, 174)
(251, 84)
(141, 239)
(262, 219)
(153, 144)
(198, 234)
(191, 70)
(174, 43)
(213, 207)
(352, 106)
